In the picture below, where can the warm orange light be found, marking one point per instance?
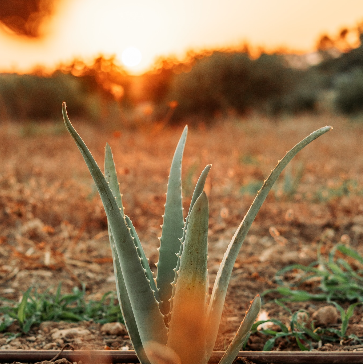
(88, 28)
(131, 57)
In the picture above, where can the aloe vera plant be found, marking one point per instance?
(171, 319)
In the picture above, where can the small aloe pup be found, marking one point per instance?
(171, 319)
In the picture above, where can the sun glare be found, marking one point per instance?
(131, 57)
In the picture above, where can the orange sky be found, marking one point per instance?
(86, 28)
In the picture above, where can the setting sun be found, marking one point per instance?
(140, 32)
(131, 57)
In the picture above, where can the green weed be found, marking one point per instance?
(302, 329)
(285, 188)
(297, 330)
(36, 307)
(332, 279)
(347, 187)
(337, 278)
(290, 181)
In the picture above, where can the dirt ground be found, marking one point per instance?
(53, 227)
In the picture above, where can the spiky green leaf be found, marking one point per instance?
(224, 273)
(122, 295)
(149, 320)
(172, 229)
(242, 333)
(144, 260)
(197, 191)
(125, 305)
(187, 325)
(111, 177)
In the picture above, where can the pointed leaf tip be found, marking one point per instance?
(64, 109)
(243, 331)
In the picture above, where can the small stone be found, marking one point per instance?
(325, 316)
(70, 333)
(8, 347)
(59, 342)
(46, 326)
(16, 343)
(356, 329)
(50, 346)
(114, 328)
(290, 257)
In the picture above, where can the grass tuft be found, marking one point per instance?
(35, 308)
(338, 278)
(302, 330)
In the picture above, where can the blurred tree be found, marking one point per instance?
(26, 17)
(344, 41)
(325, 43)
(156, 83)
(349, 91)
(104, 76)
(224, 82)
(38, 98)
(95, 90)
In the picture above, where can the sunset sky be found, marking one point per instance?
(86, 28)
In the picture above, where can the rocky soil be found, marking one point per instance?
(53, 228)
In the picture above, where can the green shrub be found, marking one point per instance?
(349, 91)
(31, 97)
(227, 81)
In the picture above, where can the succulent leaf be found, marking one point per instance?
(187, 324)
(111, 177)
(123, 298)
(197, 191)
(125, 305)
(215, 307)
(172, 228)
(149, 320)
(199, 187)
(242, 333)
(144, 261)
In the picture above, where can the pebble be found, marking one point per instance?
(46, 326)
(69, 333)
(16, 343)
(356, 329)
(114, 328)
(59, 342)
(325, 316)
(50, 346)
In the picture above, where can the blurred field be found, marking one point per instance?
(53, 227)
